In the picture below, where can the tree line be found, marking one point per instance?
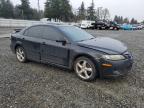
(92, 14)
(54, 9)
(121, 20)
(58, 10)
(22, 11)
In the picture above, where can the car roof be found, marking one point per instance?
(53, 25)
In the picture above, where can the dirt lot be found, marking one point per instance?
(35, 85)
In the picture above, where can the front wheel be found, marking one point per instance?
(20, 54)
(85, 69)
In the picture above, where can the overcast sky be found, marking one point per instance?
(126, 8)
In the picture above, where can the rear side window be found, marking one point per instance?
(36, 31)
(45, 32)
(51, 33)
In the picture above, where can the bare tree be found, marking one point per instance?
(106, 14)
(102, 14)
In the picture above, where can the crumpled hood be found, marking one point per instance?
(104, 44)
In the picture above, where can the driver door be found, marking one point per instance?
(53, 51)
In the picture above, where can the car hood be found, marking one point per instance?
(104, 44)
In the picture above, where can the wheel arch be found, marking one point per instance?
(87, 56)
(18, 44)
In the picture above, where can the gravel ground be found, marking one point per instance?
(35, 85)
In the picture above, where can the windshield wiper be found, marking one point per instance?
(91, 38)
(81, 40)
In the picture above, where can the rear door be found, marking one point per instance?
(32, 42)
(52, 51)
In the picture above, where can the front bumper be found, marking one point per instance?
(118, 68)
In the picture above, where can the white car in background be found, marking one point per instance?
(140, 27)
(85, 24)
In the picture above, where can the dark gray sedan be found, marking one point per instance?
(72, 48)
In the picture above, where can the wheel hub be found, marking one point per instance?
(84, 69)
(20, 54)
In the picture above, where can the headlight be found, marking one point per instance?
(113, 57)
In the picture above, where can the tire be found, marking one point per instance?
(20, 54)
(85, 69)
(100, 28)
(117, 29)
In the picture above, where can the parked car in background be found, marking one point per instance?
(140, 27)
(134, 27)
(71, 47)
(113, 26)
(143, 26)
(126, 27)
(101, 25)
(87, 24)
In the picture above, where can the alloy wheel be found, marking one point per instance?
(84, 69)
(20, 54)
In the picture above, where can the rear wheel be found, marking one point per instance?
(85, 69)
(20, 54)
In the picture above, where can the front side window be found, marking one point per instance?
(76, 34)
(51, 33)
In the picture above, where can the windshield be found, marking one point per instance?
(76, 34)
